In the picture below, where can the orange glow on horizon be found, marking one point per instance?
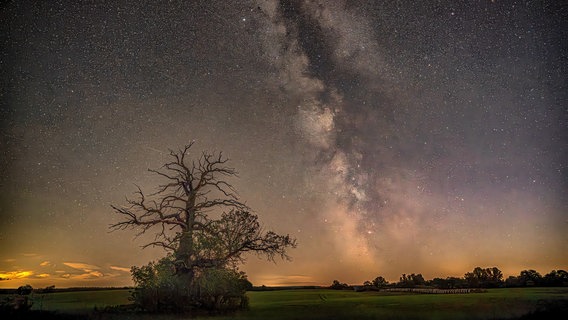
(16, 275)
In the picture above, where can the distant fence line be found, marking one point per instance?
(428, 290)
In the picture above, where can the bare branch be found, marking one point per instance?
(177, 212)
(159, 244)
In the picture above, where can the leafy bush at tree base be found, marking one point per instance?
(160, 289)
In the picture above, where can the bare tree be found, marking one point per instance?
(180, 212)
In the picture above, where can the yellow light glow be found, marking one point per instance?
(16, 274)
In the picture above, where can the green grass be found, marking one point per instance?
(79, 301)
(331, 304)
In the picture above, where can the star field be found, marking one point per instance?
(389, 138)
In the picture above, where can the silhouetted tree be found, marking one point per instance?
(380, 282)
(403, 281)
(411, 280)
(494, 277)
(24, 290)
(336, 285)
(49, 289)
(438, 283)
(375, 284)
(447, 283)
(556, 278)
(512, 281)
(475, 278)
(418, 279)
(484, 277)
(530, 278)
(181, 214)
(455, 282)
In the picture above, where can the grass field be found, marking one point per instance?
(328, 304)
(331, 304)
(79, 301)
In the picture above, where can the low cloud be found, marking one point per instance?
(45, 264)
(87, 276)
(89, 271)
(120, 269)
(30, 254)
(277, 280)
(15, 275)
(81, 266)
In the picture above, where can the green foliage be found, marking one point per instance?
(226, 240)
(222, 288)
(160, 289)
(156, 286)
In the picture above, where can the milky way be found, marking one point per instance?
(389, 138)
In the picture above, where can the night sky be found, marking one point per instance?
(388, 137)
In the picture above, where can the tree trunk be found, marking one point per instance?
(184, 252)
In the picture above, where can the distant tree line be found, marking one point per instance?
(528, 278)
(477, 278)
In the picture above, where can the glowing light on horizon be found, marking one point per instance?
(16, 275)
